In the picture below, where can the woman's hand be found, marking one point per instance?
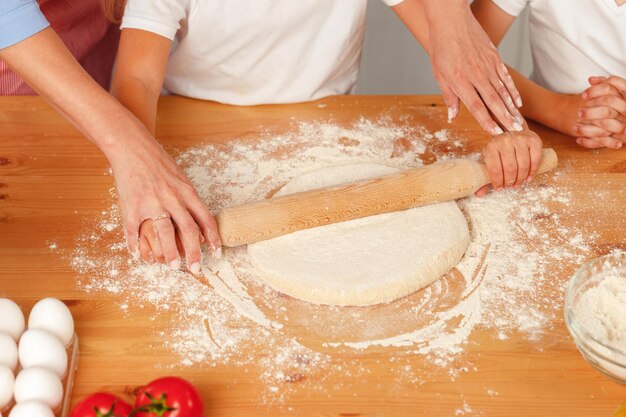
(149, 182)
(512, 159)
(467, 66)
(602, 114)
(157, 198)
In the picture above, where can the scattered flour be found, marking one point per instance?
(505, 284)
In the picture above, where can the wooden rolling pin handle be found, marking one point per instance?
(445, 181)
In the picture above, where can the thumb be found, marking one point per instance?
(595, 80)
(482, 191)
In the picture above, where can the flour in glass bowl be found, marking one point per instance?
(601, 310)
(504, 284)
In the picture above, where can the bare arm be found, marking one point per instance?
(48, 67)
(148, 180)
(139, 73)
(413, 15)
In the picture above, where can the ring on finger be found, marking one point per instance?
(162, 216)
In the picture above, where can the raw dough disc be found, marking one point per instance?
(366, 261)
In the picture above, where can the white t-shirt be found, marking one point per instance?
(573, 39)
(249, 52)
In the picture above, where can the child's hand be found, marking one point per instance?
(602, 115)
(512, 159)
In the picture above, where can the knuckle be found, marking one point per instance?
(492, 96)
(188, 188)
(188, 227)
(607, 100)
(476, 105)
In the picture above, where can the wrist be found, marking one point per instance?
(565, 115)
(433, 7)
(125, 140)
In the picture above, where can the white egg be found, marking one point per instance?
(40, 348)
(53, 315)
(11, 318)
(6, 386)
(8, 351)
(31, 409)
(39, 384)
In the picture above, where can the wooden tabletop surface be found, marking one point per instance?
(52, 181)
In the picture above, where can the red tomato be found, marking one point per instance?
(102, 404)
(168, 397)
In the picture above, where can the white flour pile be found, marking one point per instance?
(506, 284)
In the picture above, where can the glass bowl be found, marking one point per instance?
(598, 347)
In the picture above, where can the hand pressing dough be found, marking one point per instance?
(366, 261)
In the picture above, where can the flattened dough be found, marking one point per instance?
(367, 261)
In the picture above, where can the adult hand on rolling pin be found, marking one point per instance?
(512, 159)
(468, 68)
(156, 197)
(601, 118)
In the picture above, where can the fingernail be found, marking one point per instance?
(497, 130)
(517, 127)
(519, 119)
(585, 95)
(518, 102)
(195, 268)
(175, 264)
(202, 239)
(218, 253)
(452, 113)
(529, 179)
(619, 145)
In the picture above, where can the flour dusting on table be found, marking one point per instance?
(505, 285)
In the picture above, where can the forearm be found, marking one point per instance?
(413, 15)
(140, 69)
(136, 96)
(540, 104)
(46, 64)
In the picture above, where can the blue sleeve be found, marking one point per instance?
(19, 19)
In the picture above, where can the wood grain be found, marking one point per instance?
(53, 182)
(435, 183)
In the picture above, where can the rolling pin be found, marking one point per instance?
(436, 183)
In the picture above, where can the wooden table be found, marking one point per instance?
(52, 181)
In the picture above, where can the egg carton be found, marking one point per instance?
(73, 354)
